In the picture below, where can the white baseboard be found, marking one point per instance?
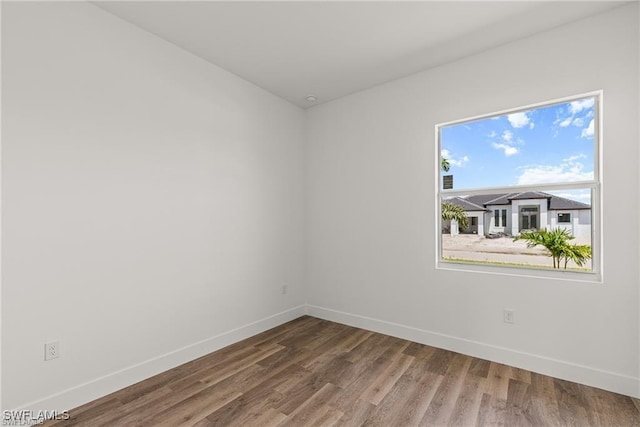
(94, 389)
(606, 380)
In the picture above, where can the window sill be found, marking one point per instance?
(530, 272)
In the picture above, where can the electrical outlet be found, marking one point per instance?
(52, 350)
(508, 316)
(285, 289)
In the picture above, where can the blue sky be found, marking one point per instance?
(552, 144)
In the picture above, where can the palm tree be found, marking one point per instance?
(579, 254)
(444, 164)
(449, 210)
(454, 212)
(556, 242)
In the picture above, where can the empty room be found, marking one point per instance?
(320, 213)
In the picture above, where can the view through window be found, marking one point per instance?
(522, 186)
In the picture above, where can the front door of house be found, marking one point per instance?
(529, 218)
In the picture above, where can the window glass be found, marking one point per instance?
(564, 217)
(520, 180)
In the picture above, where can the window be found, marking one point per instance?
(497, 218)
(523, 178)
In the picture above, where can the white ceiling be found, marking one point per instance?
(331, 49)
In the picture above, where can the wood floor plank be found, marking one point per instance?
(192, 409)
(216, 373)
(315, 408)
(387, 379)
(183, 377)
(369, 348)
(571, 403)
(498, 380)
(418, 401)
(269, 418)
(329, 417)
(355, 388)
(465, 411)
(301, 392)
(259, 394)
(493, 412)
(518, 393)
(296, 326)
(248, 409)
(111, 417)
(443, 402)
(355, 414)
(400, 403)
(544, 406)
(439, 360)
(311, 372)
(88, 412)
(342, 342)
(479, 368)
(154, 406)
(521, 375)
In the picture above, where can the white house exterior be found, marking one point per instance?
(513, 212)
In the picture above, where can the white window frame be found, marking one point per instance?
(595, 185)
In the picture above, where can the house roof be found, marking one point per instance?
(466, 204)
(529, 195)
(480, 202)
(560, 203)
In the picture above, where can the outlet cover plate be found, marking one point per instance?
(52, 350)
(508, 316)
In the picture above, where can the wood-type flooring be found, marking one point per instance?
(312, 372)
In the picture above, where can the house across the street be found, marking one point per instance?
(513, 212)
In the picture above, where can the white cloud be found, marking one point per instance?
(568, 171)
(518, 120)
(566, 122)
(507, 143)
(508, 149)
(577, 106)
(575, 157)
(460, 162)
(588, 131)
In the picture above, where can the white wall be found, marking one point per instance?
(371, 209)
(580, 225)
(152, 203)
